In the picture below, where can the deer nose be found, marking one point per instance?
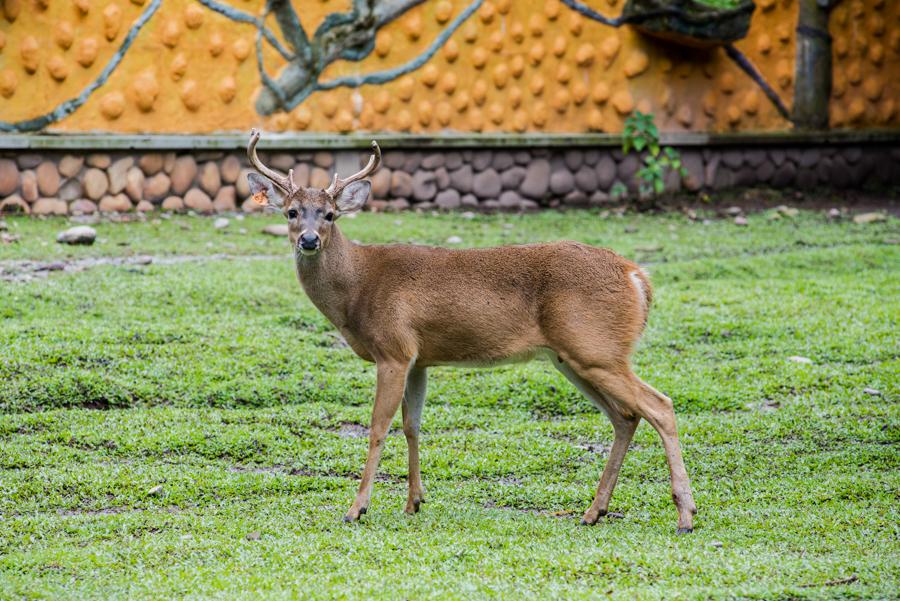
(309, 241)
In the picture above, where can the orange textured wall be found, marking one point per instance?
(523, 66)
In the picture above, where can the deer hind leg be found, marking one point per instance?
(413, 401)
(624, 428)
(389, 390)
(631, 397)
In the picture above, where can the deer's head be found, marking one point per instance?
(310, 212)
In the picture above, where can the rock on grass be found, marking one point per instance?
(80, 234)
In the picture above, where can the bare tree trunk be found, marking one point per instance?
(812, 85)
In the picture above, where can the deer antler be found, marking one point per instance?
(286, 183)
(374, 162)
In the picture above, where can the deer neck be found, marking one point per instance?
(329, 278)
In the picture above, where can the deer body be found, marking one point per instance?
(407, 308)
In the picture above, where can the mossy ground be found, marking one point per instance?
(223, 385)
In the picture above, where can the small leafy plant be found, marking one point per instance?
(641, 135)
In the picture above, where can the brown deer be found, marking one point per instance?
(408, 308)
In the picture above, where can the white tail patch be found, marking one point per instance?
(642, 292)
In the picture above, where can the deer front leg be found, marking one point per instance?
(388, 394)
(413, 400)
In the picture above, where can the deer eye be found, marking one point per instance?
(329, 216)
(292, 214)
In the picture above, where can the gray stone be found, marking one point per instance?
(151, 163)
(562, 182)
(242, 184)
(591, 157)
(852, 154)
(211, 180)
(381, 184)
(145, 206)
(824, 169)
(754, 157)
(169, 162)
(231, 169)
(283, 162)
(80, 234)
(156, 187)
(573, 159)
(401, 184)
(9, 177)
(47, 178)
(198, 200)
(598, 198)
(70, 190)
(118, 203)
(99, 160)
(183, 174)
(586, 179)
(489, 206)
(322, 158)
(606, 171)
(461, 179)
(481, 159)
(221, 223)
(413, 162)
(733, 158)
(723, 179)
(424, 186)
(537, 179)
(70, 165)
(448, 199)
(302, 174)
(117, 172)
(319, 178)
(528, 205)
(28, 160)
(95, 183)
(522, 157)
(433, 161)
(784, 175)
(401, 204)
(173, 203)
(208, 155)
(29, 186)
(83, 206)
(487, 184)
(49, 206)
(509, 200)
(778, 157)
(469, 200)
(692, 161)
(134, 183)
(576, 198)
(442, 178)
(225, 200)
(393, 159)
(453, 160)
(502, 160)
(807, 158)
(765, 171)
(14, 204)
(512, 177)
(627, 168)
(709, 172)
(806, 178)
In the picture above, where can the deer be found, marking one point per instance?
(407, 308)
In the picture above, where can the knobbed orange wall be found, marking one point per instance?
(513, 66)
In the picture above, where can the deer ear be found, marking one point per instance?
(353, 197)
(263, 192)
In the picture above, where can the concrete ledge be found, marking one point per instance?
(393, 140)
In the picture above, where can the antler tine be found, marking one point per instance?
(339, 184)
(284, 182)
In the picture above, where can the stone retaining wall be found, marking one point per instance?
(61, 183)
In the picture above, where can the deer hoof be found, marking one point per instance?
(684, 531)
(354, 516)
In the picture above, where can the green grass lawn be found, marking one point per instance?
(195, 428)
